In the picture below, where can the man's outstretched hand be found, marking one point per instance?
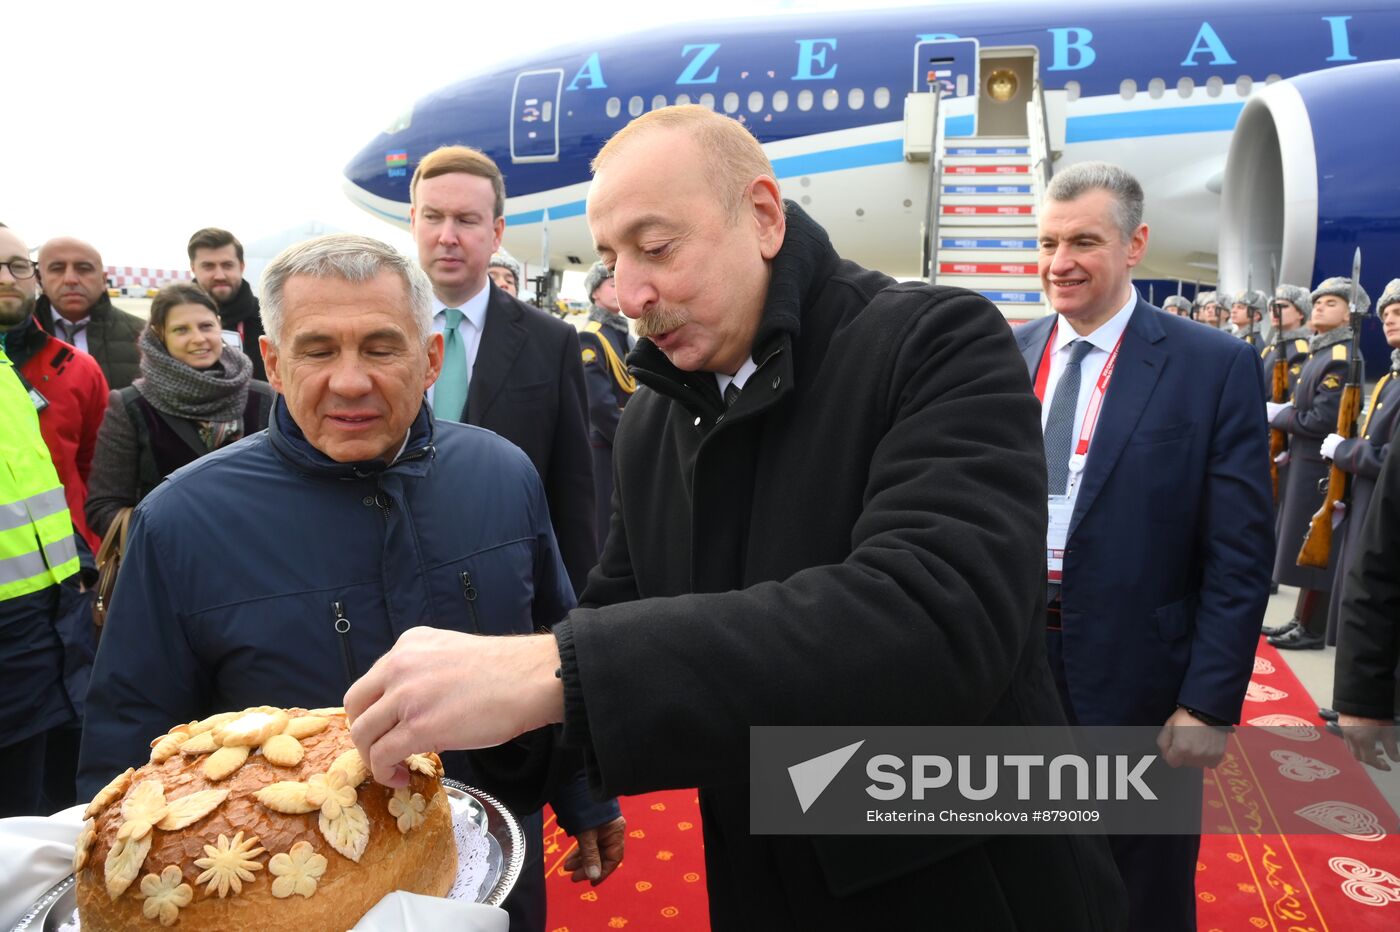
(445, 691)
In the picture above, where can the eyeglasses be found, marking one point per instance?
(21, 268)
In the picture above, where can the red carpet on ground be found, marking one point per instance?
(1344, 880)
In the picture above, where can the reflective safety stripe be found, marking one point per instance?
(28, 565)
(32, 509)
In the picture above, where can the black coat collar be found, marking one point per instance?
(242, 307)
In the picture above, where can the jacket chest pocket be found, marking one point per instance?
(491, 592)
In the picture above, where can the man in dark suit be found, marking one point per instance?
(507, 366)
(75, 308)
(1160, 517)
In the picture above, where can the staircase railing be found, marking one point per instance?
(935, 178)
(1042, 158)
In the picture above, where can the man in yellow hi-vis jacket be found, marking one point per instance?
(38, 552)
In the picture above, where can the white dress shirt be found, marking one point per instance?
(61, 325)
(739, 378)
(1103, 339)
(468, 331)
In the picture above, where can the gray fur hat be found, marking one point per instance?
(1389, 296)
(1341, 287)
(596, 276)
(504, 260)
(1254, 300)
(1298, 297)
(1206, 297)
(1176, 300)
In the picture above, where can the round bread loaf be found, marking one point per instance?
(265, 820)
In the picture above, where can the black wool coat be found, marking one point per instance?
(1368, 644)
(858, 540)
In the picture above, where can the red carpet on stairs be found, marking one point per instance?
(1327, 882)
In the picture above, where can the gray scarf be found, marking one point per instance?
(1302, 333)
(216, 395)
(607, 318)
(1395, 360)
(1331, 338)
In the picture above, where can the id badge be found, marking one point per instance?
(1061, 507)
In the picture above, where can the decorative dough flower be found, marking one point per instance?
(165, 895)
(407, 809)
(296, 871)
(229, 864)
(331, 791)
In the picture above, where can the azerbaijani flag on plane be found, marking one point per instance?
(396, 159)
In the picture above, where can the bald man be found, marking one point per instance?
(75, 308)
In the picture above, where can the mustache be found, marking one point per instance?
(659, 321)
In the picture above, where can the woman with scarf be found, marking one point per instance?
(605, 341)
(195, 395)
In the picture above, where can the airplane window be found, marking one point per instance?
(546, 111)
(855, 99)
(1243, 85)
(682, 99)
(658, 101)
(731, 102)
(1214, 85)
(1128, 89)
(804, 100)
(614, 106)
(1156, 88)
(1185, 87)
(400, 122)
(780, 101)
(831, 98)
(635, 106)
(1071, 90)
(882, 98)
(1273, 79)
(708, 101)
(755, 101)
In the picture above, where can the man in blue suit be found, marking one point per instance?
(1161, 527)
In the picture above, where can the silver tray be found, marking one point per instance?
(506, 856)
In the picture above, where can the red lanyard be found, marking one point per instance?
(1091, 414)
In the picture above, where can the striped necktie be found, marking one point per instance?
(450, 392)
(1059, 423)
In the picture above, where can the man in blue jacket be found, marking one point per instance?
(1160, 510)
(278, 569)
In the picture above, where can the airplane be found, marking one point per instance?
(1263, 131)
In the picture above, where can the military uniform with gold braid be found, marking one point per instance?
(605, 343)
(37, 552)
(1308, 420)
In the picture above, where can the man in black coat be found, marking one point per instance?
(507, 366)
(831, 494)
(76, 309)
(1368, 645)
(216, 260)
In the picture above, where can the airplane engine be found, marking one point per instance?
(1311, 174)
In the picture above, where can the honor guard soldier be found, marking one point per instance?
(606, 342)
(1246, 313)
(506, 272)
(1362, 456)
(1308, 419)
(1177, 305)
(1291, 308)
(1208, 309)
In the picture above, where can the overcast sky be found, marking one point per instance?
(134, 124)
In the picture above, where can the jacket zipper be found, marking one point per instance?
(342, 630)
(469, 593)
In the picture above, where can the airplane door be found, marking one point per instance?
(953, 65)
(534, 116)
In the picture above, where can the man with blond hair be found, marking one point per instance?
(830, 510)
(507, 366)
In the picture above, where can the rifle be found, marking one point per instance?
(1317, 545)
(1278, 439)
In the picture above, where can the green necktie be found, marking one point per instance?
(450, 393)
